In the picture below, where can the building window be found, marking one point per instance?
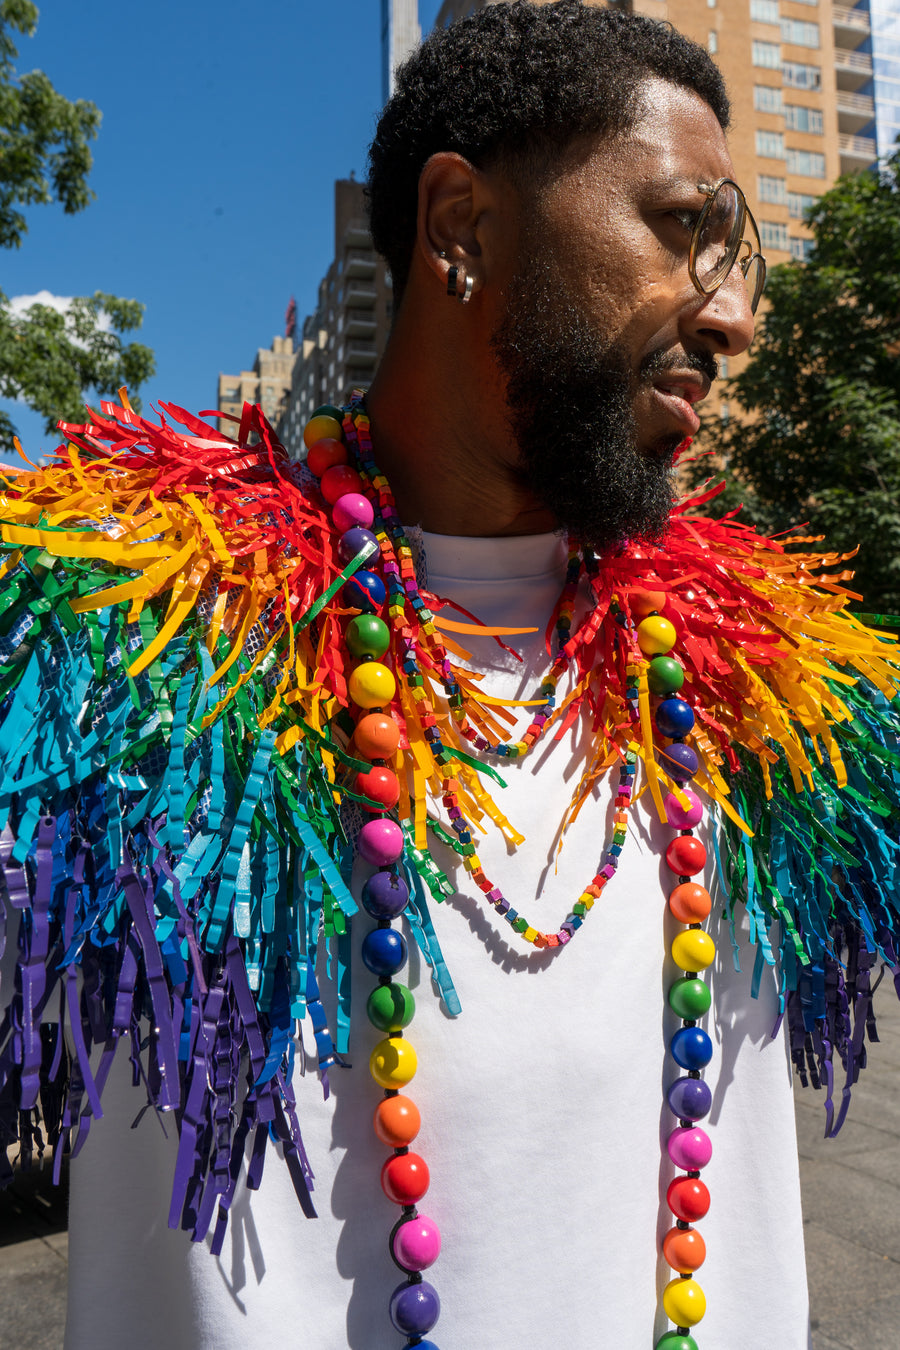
(799, 203)
(807, 163)
(766, 98)
(711, 4)
(724, 412)
(723, 367)
(773, 234)
(765, 11)
(772, 190)
(712, 43)
(770, 144)
(801, 249)
(767, 55)
(798, 76)
(800, 34)
(798, 118)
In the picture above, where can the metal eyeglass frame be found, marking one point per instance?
(710, 191)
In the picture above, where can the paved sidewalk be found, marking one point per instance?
(851, 1201)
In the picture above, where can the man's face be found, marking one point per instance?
(605, 345)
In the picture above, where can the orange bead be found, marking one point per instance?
(377, 736)
(643, 603)
(397, 1121)
(684, 1249)
(690, 903)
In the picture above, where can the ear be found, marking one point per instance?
(452, 195)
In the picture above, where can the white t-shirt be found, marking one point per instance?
(543, 1110)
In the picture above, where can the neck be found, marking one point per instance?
(441, 432)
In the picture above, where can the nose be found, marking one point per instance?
(724, 322)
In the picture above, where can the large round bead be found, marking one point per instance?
(405, 1178)
(350, 510)
(384, 951)
(684, 1302)
(385, 895)
(393, 1063)
(691, 1048)
(689, 998)
(371, 685)
(656, 635)
(417, 1243)
(365, 590)
(686, 855)
(684, 1249)
(683, 817)
(674, 717)
(679, 761)
(641, 602)
(688, 1198)
(319, 427)
(337, 480)
(326, 453)
(689, 1147)
(664, 675)
(381, 843)
(690, 903)
(354, 541)
(377, 736)
(390, 1007)
(673, 1340)
(367, 635)
(397, 1121)
(689, 1098)
(693, 949)
(380, 786)
(415, 1308)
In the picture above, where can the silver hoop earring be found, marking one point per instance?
(467, 292)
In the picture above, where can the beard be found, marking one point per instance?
(570, 398)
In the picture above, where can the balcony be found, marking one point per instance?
(857, 152)
(851, 26)
(851, 68)
(357, 235)
(359, 296)
(359, 355)
(359, 264)
(854, 111)
(359, 323)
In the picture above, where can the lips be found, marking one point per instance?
(677, 392)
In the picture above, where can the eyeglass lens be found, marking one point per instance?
(719, 238)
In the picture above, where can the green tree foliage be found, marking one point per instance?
(50, 360)
(819, 438)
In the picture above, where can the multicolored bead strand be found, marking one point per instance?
(688, 1098)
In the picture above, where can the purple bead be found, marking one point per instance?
(365, 590)
(417, 1243)
(384, 951)
(679, 761)
(351, 510)
(380, 842)
(682, 818)
(385, 895)
(689, 1098)
(354, 541)
(674, 717)
(689, 1147)
(415, 1308)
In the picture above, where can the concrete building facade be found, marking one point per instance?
(268, 384)
(400, 32)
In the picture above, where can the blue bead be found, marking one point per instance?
(385, 895)
(415, 1308)
(689, 1098)
(691, 1048)
(674, 717)
(365, 590)
(384, 951)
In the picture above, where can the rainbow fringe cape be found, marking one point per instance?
(173, 763)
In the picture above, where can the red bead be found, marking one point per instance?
(324, 454)
(689, 902)
(686, 855)
(404, 1178)
(377, 736)
(397, 1121)
(337, 480)
(688, 1198)
(379, 785)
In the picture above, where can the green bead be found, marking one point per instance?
(367, 635)
(665, 675)
(329, 410)
(674, 1340)
(689, 998)
(390, 1007)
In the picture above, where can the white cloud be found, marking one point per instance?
(18, 304)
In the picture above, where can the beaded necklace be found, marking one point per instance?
(365, 515)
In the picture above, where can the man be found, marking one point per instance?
(557, 170)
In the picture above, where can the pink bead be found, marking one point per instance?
(351, 510)
(380, 842)
(417, 1244)
(689, 1147)
(676, 814)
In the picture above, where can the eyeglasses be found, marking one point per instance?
(720, 239)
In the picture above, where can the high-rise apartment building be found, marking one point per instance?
(884, 44)
(400, 32)
(342, 341)
(268, 383)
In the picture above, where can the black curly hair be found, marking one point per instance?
(514, 84)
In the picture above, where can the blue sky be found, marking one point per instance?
(224, 127)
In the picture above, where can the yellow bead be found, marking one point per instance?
(684, 1302)
(656, 635)
(317, 428)
(693, 949)
(372, 685)
(393, 1062)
